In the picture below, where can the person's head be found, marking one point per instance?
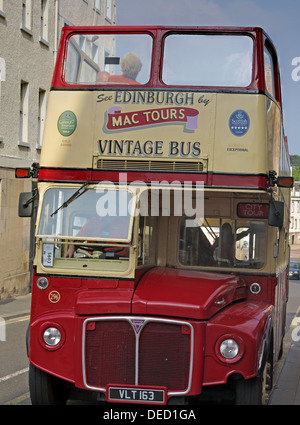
(131, 65)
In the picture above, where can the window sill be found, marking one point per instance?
(24, 144)
(2, 14)
(26, 30)
(44, 42)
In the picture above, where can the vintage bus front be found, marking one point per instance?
(161, 233)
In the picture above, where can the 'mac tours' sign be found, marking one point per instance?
(116, 120)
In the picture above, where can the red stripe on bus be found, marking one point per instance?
(219, 180)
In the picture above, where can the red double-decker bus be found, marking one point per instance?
(161, 264)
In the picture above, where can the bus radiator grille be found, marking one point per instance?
(163, 357)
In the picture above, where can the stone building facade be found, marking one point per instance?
(29, 38)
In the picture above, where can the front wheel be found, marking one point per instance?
(254, 391)
(46, 389)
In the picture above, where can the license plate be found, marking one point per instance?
(137, 395)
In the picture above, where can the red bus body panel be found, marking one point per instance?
(215, 304)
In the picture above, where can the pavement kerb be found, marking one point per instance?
(12, 308)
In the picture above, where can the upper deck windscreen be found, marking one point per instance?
(208, 60)
(108, 59)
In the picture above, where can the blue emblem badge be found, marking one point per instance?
(137, 325)
(239, 123)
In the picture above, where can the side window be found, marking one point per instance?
(250, 244)
(221, 243)
(242, 244)
(269, 72)
(196, 244)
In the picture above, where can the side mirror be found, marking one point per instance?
(25, 204)
(276, 213)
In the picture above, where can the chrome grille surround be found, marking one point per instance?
(145, 321)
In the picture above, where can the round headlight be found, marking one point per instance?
(229, 348)
(52, 336)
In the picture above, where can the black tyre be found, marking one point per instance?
(46, 389)
(254, 391)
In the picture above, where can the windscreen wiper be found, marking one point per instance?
(72, 198)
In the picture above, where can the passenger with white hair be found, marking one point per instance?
(131, 66)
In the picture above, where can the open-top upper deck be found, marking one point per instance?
(211, 58)
(173, 103)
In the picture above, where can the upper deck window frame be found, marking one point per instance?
(158, 33)
(85, 58)
(211, 35)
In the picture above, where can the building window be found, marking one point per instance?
(27, 16)
(41, 117)
(97, 5)
(108, 13)
(2, 13)
(24, 109)
(44, 21)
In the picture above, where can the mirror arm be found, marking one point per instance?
(25, 205)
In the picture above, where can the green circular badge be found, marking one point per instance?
(67, 123)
